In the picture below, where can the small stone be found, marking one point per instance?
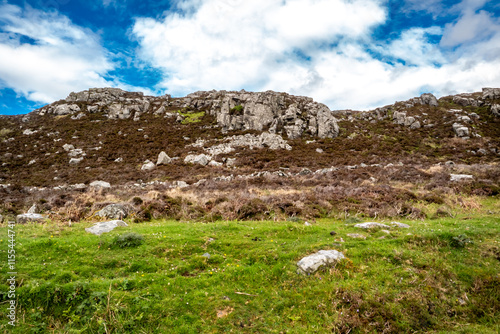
(401, 225)
(148, 166)
(105, 227)
(310, 264)
(460, 177)
(30, 217)
(369, 225)
(307, 224)
(333, 233)
(356, 236)
(100, 184)
(163, 159)
(206, 255)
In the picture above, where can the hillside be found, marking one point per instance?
(287, 155)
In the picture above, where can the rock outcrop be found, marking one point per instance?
(276, 112)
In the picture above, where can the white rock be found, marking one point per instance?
(163, 159)
(105, 227)
(30, 217)
(356, 236)
(68, 147)
(401, 225)
(371, 225)
(460, 177)
(214, 163)
(310, 264)
(28, 132)
(200, 159)
(75, 161)
(148, 166)
(100, 184)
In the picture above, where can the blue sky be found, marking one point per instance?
(356, 54)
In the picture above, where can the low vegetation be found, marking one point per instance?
(438, 276)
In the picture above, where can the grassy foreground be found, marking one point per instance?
(440, 276)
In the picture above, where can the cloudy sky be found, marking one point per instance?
(356, 54)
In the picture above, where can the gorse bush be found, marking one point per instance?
(128, 240)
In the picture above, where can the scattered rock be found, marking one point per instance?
(369, 225)
(460, 177)
(460, 130)
(310, 264)
(29, 132)
(75, 161)
(68, 147)
(33, 209)
(400, 225)
(148, 165)
(356, 236)
(200, 159)
(105, 227)
(113, 211)
(333, 233)
(163, 159)
(100, 184)
(206, 255)
(30, 217)
(214, 163)
(320, 150)
(307, 224)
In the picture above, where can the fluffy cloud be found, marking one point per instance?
(320, 48)
(43, 56)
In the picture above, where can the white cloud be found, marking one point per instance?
(44, 56)
(322, 49)
(247, 43)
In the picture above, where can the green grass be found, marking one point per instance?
(411, 280)
(191, 117)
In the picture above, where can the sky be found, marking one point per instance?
(347, 54)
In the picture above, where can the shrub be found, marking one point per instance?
(128, 240)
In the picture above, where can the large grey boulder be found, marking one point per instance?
(429, 99)
(30, 217)
(105, 227)
(310, 264)
(491, 93)
(369, 225)
(66, 109)
(113, 211)
(163, 159)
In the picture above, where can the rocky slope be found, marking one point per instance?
(218, 139)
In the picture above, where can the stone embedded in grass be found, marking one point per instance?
(105, 227)
(310, 264)
(371, 225)
(113, 211)
(30, 217)
(401, 225)
(206, 255)
(356, 236)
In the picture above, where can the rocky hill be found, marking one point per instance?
(220, 140)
